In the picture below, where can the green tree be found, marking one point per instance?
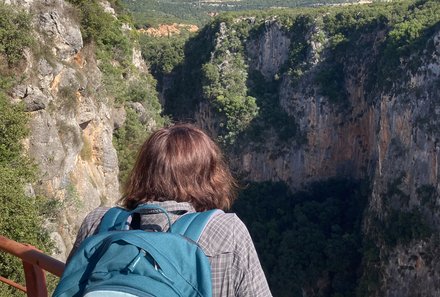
(162, 53)
(309, 237)
(225, 85)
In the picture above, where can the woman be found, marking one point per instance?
(182, 170)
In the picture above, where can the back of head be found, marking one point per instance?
(183, 164)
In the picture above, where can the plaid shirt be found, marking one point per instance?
(235, 268)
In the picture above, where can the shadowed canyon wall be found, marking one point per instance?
(357, 100)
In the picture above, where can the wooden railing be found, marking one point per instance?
(34, 264)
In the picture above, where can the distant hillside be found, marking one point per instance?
(147, 13)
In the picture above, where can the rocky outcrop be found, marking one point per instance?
(412, 271)
(385, 133)
(361, 139)
(167, 30)
(269, 52)
(71, 127)
(72, 118)
(337, 143)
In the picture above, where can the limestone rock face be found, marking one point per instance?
(387, 134)
(71, 138)
(73, 116)
(412, 271)
(269, 52)
(71, 122)
(64, 32)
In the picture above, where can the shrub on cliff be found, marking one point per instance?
(122, 81)
(20, 216)
(14, 34)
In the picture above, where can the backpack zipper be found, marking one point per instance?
(135, 261)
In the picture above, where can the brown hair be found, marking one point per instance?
(183, 164)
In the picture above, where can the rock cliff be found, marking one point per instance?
(348, 116)
(73, 116)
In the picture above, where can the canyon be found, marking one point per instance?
(341, 114)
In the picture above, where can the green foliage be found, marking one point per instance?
(114, 47)
(12, 131)
(413, 25)
(127, 141)
(186, 92)
(152, 12)
(308, 237)
(370, 279)
(103, 29)
(331, 81)
(20, 217)
(128, 138)
(402, 224)
(343, 32)
(143, 91)
(396, 225)
(163, 54)
(14, 34)
(407, 26)
(225, 86)
(402, 227)
(298, 62)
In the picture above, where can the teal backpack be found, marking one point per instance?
(119, 262)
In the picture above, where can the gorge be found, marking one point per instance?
(343, 93)
(330, 116)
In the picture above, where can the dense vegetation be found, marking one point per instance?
(309, 237)
(163, 54)
(149, 13)
(314, 236)
(396, 225)
(21, 215)
(224, 86)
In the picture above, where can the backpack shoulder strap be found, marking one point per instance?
(191, 225)
(113, 219)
